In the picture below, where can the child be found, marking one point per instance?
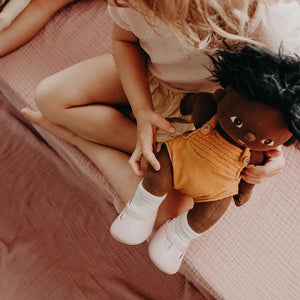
(155, 64)
(18, 31)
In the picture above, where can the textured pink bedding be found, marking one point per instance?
(56, 207)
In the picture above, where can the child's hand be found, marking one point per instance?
(258, 174)
(148, 122)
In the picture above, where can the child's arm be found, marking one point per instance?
(28, 23)
(131, 62)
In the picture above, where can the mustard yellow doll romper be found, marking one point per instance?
(206, 167)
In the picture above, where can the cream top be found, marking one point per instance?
(185, 70)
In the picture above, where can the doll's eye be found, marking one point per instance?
(236, 121)
(267, 142)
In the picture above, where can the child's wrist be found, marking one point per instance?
(140, 113)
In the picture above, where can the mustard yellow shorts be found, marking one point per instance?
(167, 104)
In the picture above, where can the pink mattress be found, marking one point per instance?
(56, 207)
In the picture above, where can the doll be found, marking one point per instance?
(258, 109)
(10, 10)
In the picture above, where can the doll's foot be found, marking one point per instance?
(4, 21)
(135, 223)
(132, 227)
(37, 118)
(166, 249)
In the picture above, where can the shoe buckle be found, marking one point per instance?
(122, 215)
(181, 255)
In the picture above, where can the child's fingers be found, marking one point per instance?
(273, 153)
(151, 158)
(135, 163)
(148, 148)
(256, 177)
(258, 174)
(163, 124)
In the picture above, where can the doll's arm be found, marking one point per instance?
(28, 23)
(245, 189)
(202, 106)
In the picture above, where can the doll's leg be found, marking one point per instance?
(168, 245)
(159, 183)
(135, 223)
(204, 215)
(28, 23)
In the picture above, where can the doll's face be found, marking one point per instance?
(250, 123)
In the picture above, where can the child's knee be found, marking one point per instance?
(47, 99)
(42, 95)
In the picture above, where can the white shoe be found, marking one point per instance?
(132, 227)
(166, 250)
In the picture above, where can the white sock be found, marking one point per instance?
(144, 201)
(182, 228)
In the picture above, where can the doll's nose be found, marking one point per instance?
(249, 136)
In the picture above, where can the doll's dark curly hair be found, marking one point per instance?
(261, 75)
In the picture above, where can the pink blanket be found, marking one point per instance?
(56, 207)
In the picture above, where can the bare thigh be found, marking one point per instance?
(95, 80)
(86, 98)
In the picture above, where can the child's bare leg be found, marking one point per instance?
(114, 166)
(28, 23)
(112, 163)
(85, 99)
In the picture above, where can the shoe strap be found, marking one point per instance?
(176, 241)
(131, 212)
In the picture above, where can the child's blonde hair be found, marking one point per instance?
(200, 24)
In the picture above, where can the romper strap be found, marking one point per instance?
(210, 125)
(245, 157)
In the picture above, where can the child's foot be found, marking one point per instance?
(36, 117)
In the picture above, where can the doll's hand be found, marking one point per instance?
(148, 122)
(241, 198)
(273, 166)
